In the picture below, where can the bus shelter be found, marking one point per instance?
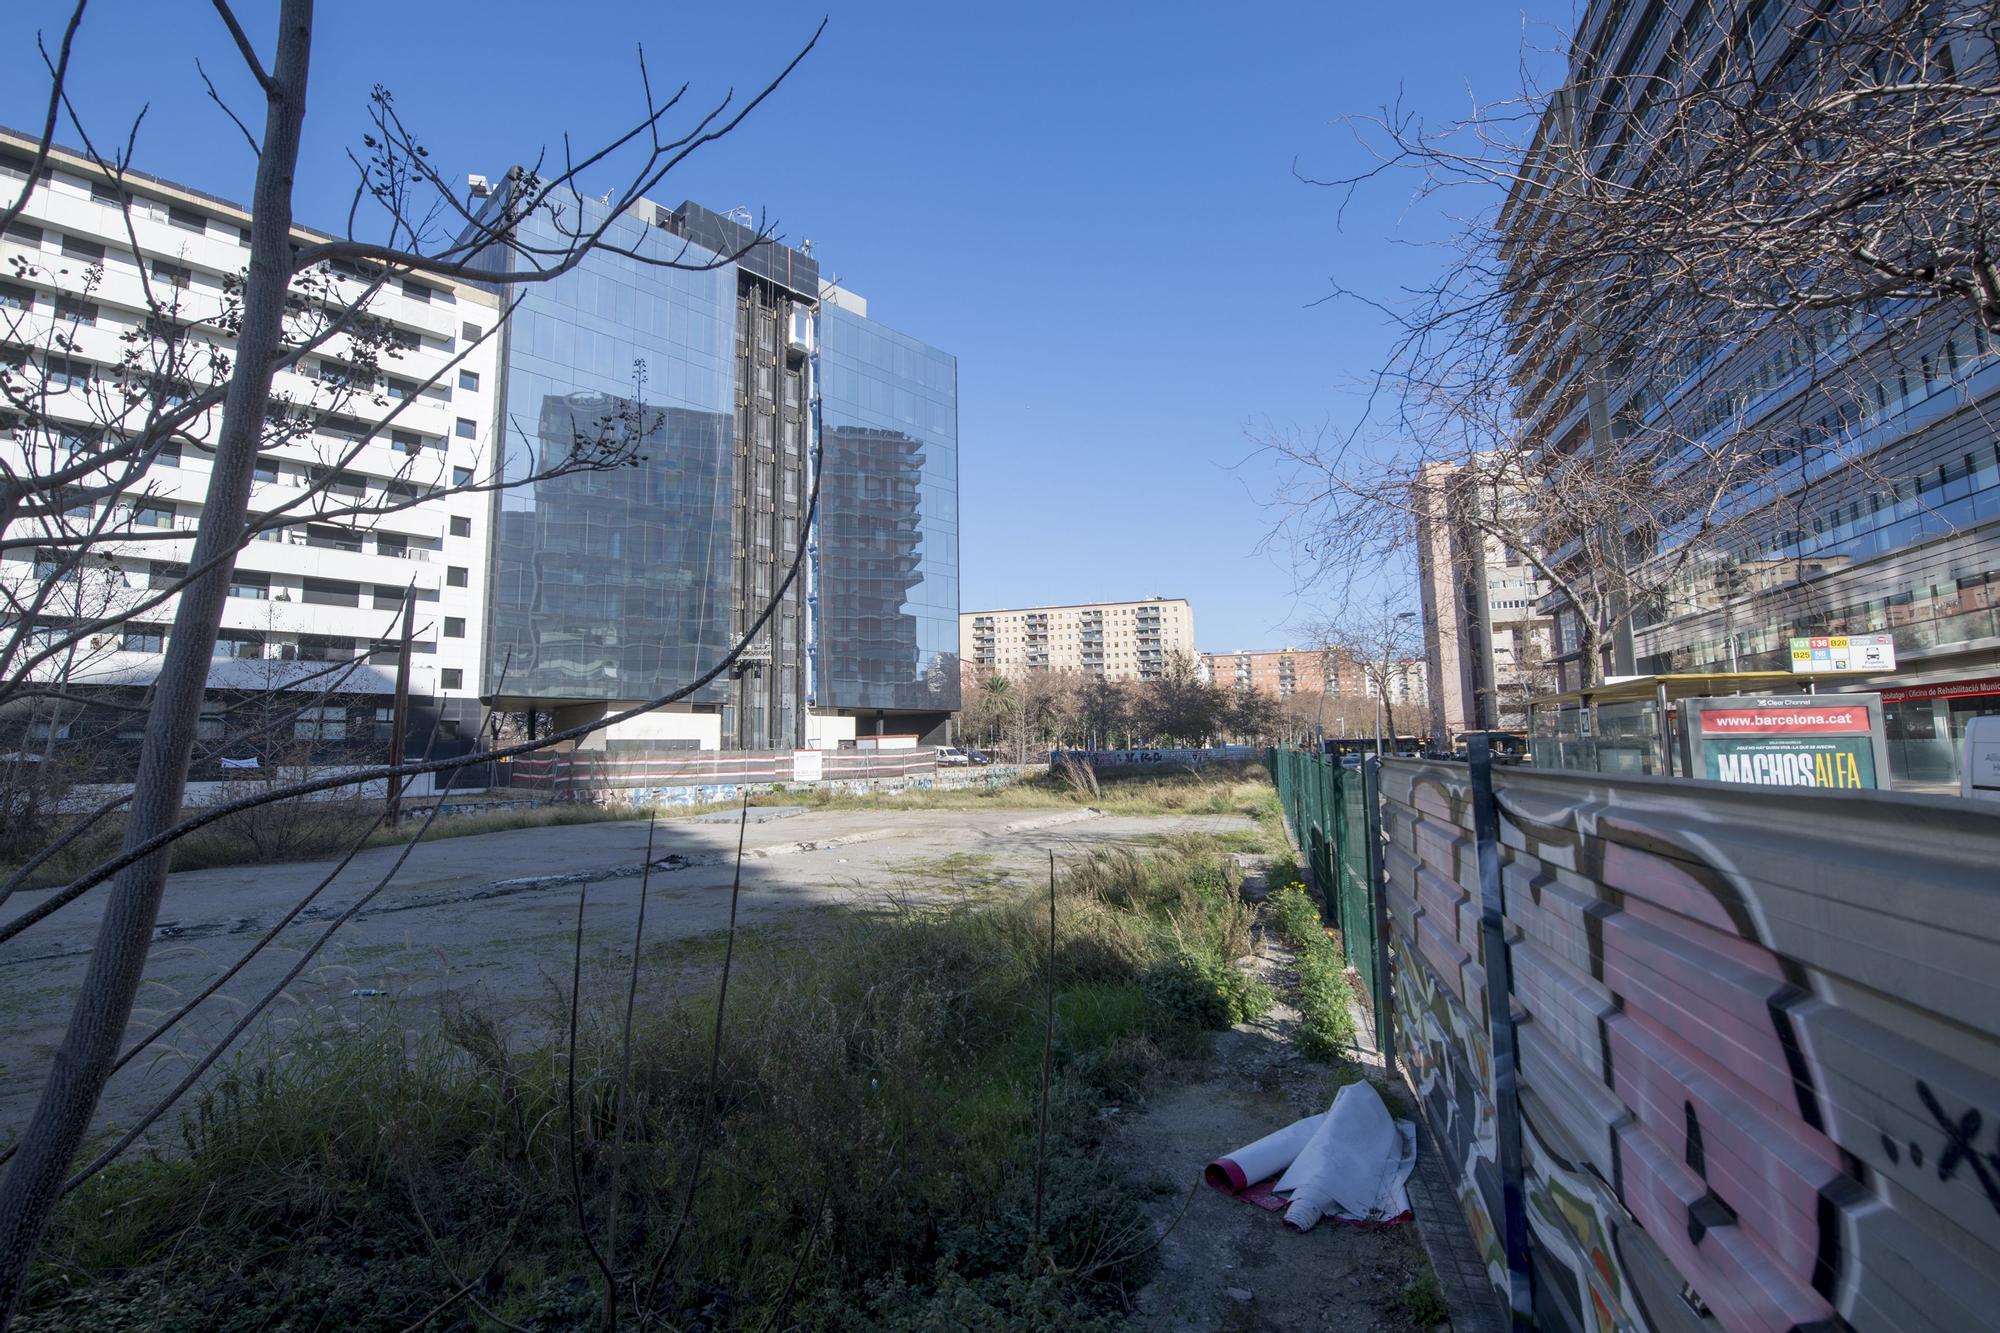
(1630, 725)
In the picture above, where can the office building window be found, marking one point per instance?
(455, 576)
(173, 275)
(60, 372)
(320, 724)
(415, 290)
(76, 247)
(461, 476)
(144, 639)
(461, 527)
(153, 516)
(13, 297)
(452, 678)
(467, 428)
(250, 585)
(239, 643)
(469, 379)
(331, 592)
(75, 310)
(186, 218)
(471, 332)
(324, 648)
(454, 627)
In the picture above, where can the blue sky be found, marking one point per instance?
(1092, 205)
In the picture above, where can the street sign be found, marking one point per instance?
(1844, 652)
(1798, 740)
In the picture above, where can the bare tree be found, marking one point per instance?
(1686, 297)
(204, 379)
(1383, 640)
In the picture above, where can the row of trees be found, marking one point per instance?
(1684, 298)
(1021, 716)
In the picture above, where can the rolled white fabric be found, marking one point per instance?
(1354, 1165)
(1263, 1159)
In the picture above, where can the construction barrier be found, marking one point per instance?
(1702, 1055)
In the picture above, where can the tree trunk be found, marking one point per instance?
(1590, 669)
(111, 981)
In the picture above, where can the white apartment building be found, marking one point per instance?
(1110, 640)
(306, 594)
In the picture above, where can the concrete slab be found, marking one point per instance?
(490, 917)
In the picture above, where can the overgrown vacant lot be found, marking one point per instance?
(864, 1155)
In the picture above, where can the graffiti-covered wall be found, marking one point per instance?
(1759, 1045)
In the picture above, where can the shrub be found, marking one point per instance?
(1326, 1016)
(1189, 989)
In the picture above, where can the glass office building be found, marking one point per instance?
(888, 521)
(616, 584)
(610, 587)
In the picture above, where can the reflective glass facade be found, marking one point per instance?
(888, 520)
(615, 585)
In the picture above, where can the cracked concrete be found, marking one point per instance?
(490, 916)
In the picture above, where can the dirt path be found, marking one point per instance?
(1228, 1265)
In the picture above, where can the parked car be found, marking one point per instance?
(949, 755)
(977, 756)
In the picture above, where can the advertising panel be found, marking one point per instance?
(1844, 652)
(1810, 740)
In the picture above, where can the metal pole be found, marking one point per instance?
(1494, 951)
(402, 712)
(1378, 902)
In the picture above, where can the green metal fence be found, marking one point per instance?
(1327, 809)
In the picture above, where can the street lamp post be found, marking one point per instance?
(1382, 685)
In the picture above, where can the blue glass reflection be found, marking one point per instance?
(888, 522)
(615, 585)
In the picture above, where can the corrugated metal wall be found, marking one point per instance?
(1758, 1041)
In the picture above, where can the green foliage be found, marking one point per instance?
(1324, 999)
(1201, 992)
(1422, 1303)
(877, 1097)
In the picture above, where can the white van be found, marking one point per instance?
(947, 755)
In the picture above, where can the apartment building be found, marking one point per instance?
(73, 307)
(1487, 649)
(1890, 522)
(1284, 673)
(1110, 640)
